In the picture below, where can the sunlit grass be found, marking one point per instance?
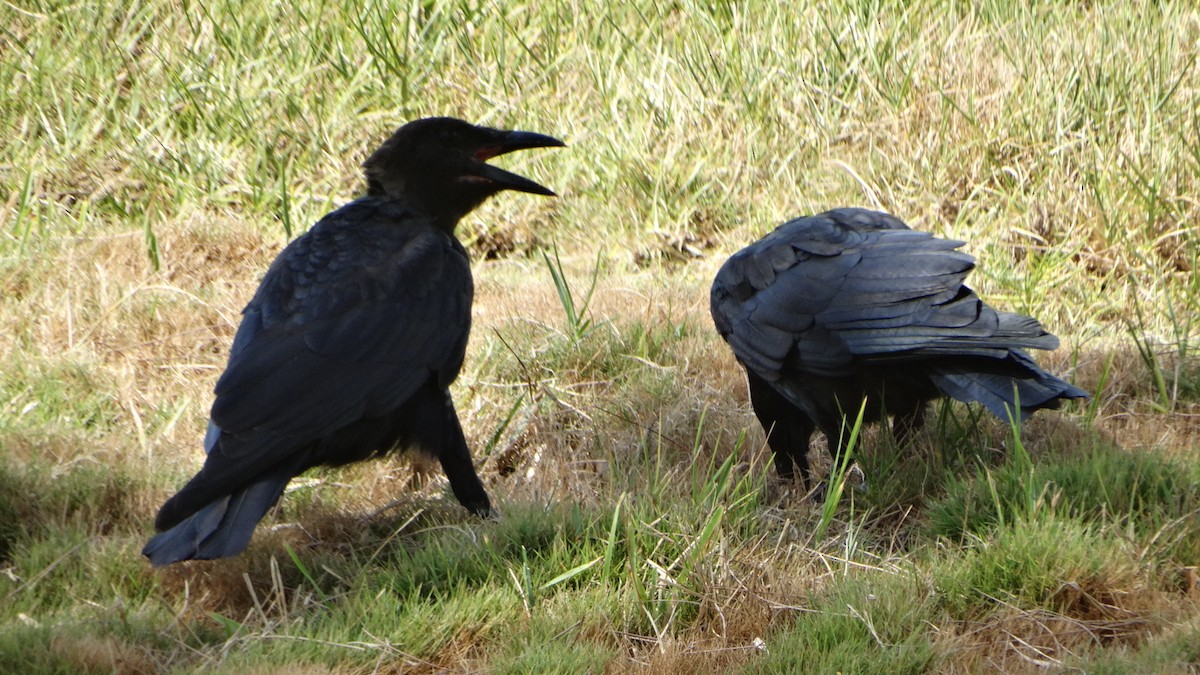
(157, 155)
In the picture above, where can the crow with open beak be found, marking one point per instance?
(438, 165)
(348, 347)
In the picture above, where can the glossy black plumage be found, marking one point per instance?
(851, 303)
(349, 345)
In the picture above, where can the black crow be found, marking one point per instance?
(850, 304)
(351, 341)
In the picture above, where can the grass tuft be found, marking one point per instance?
(158, 155)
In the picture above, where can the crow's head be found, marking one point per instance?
(439, 165)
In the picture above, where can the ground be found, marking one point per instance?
(157, 156)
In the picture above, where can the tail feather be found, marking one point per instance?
(999, 392)
(221, 529)
(233, 465)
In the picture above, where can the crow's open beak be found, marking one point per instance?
(507, 142)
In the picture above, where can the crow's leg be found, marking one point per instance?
(837, 433)
(788, 429)
(455, 457)
(907, 423)
(837, 429)
(435, 427)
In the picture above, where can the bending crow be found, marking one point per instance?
(351, 341)
(850, 304)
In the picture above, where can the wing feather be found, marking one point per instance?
(824, 292)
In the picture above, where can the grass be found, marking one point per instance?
(158, 155)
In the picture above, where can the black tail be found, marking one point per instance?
(1035, 388)
(221, 529)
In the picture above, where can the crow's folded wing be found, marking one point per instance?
(825, 294)
(349, 321)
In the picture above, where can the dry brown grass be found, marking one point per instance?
(1059, 141)
(94, 654)
(1023, 641)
